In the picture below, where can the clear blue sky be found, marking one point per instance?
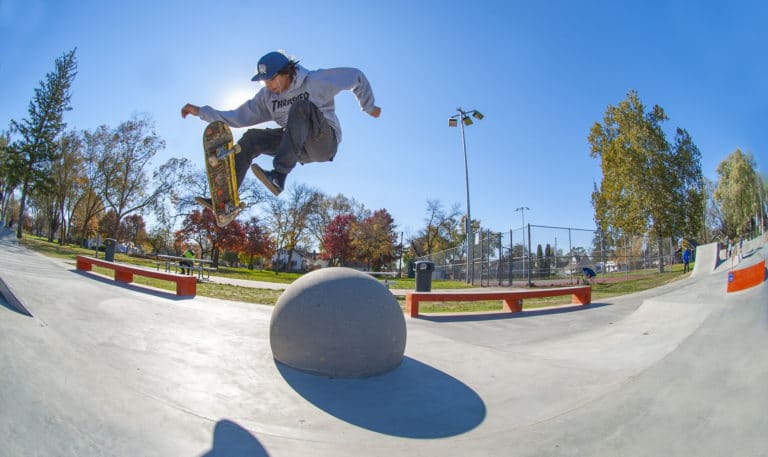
(541, 72)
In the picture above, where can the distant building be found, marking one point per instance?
(299, 260)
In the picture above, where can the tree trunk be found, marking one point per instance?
(22, 204)
(215, 257)
(661, 253)
(288, 262)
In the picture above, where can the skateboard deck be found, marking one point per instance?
(220, 153)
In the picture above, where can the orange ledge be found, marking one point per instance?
(513, 300)
(185, 285)
(745, 278)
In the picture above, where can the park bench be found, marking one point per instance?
(174, 262)
(513, 299)
(202, 271)
(175, 267)
(185, 285)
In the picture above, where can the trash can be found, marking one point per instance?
(109, 249)
(424, 271)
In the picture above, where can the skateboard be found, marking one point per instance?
(220, 166)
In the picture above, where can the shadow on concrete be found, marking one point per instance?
(479, 317)
(232, 440)
(411, 401)
(10, 301)
(131, 286)
(6, 305)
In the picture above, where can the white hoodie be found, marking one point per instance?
(319, 86)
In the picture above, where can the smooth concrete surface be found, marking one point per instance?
(707, 259)
(338, 322)
(106, 369)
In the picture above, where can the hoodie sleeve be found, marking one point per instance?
(249, 113)
(351, 79)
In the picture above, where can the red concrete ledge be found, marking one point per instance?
(513, 300)
(745, 278)
(185, 285)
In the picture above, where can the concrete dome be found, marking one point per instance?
(338, 322)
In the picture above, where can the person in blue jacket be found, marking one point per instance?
(301, 102)
(686, 259)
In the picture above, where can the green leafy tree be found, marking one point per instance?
(540, 263)
(648, 184)
(738, 194)
(549, 254)
(8, 180)
(37, 148)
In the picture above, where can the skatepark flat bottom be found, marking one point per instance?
(100, 368)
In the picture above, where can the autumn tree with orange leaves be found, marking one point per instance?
(257, 242)
(201, 227)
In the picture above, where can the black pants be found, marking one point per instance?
(186, 263)
(307, 137)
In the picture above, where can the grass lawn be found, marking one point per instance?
(600, 290)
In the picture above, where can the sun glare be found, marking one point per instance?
(236, 97)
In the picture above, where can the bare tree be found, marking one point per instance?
(124, 168)
(67, 174)
(289, 217)
(440, 229)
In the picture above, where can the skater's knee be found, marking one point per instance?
(257, 141)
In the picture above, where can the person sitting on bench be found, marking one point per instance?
(189, 254)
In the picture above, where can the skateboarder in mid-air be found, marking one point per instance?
(302, 103)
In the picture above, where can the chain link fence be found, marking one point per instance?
(544, 255)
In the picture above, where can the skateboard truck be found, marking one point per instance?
(222, 152)
(231, 212)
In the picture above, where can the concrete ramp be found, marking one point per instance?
(707, 259)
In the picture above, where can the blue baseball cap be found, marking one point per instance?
(270, 65)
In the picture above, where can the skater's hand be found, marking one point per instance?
(375, 112)
(190, 109)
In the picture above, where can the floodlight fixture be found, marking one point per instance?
(453, 121)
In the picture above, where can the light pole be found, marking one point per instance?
(522, 210)
(462, 118)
